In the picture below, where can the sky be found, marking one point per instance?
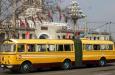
(98, 10)
(100, 14)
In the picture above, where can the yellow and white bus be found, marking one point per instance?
(23, 55)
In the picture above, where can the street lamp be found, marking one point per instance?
(75, 13)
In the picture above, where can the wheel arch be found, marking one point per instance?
(103, 58)
(67, 59)
(27, 61)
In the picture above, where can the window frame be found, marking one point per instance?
(84, 47)
(31, 50)
(18, 46)
(40, 48)
(69, 47)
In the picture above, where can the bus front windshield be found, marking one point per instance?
(7, 47)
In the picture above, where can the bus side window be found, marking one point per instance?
(96, 47)
(110, 47)
(51, 47)
(21, 48)
(31, 48)
(67, 47)
(60, 48)
(102, 47)
(88, 47)
(41, 47)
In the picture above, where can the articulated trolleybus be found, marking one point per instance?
(22, 55)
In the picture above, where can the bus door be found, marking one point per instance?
(78, 52)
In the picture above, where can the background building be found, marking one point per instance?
(33, 19)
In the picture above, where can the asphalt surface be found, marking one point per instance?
(107, 70)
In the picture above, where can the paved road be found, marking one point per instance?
(108, 70)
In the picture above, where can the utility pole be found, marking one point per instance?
(0, 6)
(14, 16)
(86, 28)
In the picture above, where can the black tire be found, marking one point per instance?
(66, 65)
(102, 62)
(26, 67)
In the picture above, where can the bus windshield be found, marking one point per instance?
(7, 47)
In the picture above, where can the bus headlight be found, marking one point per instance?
(2, 66)
(9, 66)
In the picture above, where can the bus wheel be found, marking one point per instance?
(66, 65)
(26, 67)
(102, 62)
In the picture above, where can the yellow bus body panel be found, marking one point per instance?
(36, 58)
(98, 54)
(17, 58)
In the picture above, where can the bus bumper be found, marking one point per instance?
(6, 66)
